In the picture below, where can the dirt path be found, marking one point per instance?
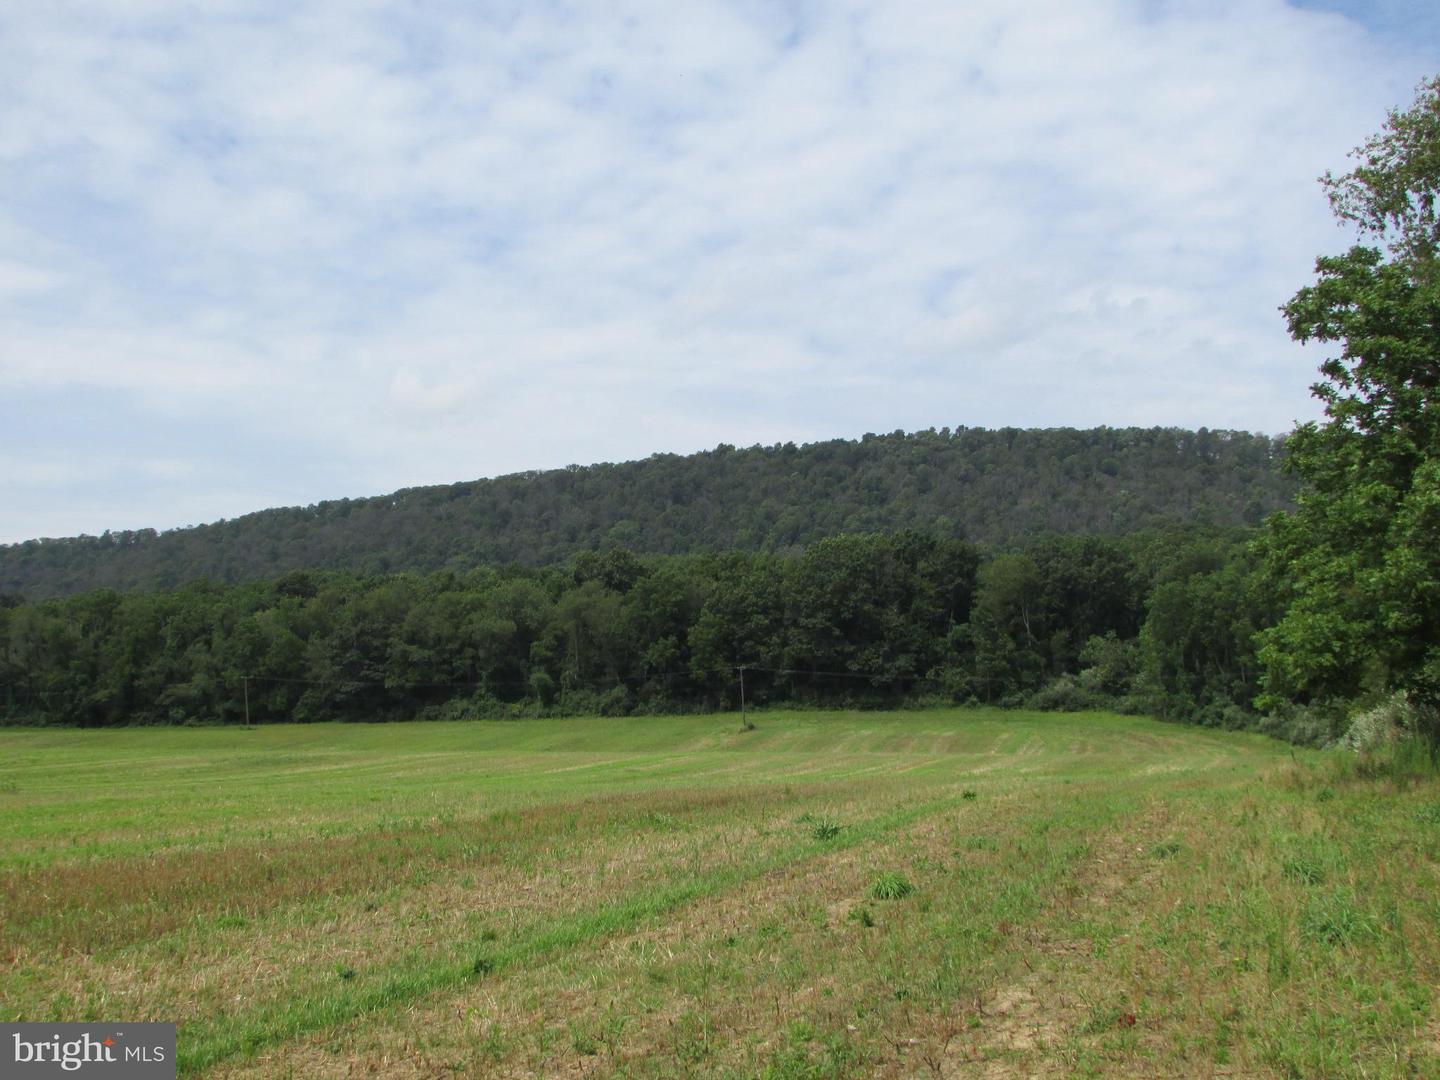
(1023, 1025)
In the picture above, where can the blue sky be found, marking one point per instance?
(260, 254)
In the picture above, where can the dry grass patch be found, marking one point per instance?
(233, 963)
(775, 970)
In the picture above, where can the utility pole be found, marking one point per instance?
(245, 682)
(745, 724)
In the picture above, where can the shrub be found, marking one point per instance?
(1392, 739)
(1063, 695)
(1379, 726)
(1408, 759)
(1304, 725)
(543, 687)
(616, 701)
(1111, 665)
(480, 706)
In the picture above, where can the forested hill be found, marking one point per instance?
(994, 487)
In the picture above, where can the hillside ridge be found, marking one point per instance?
(993, 486)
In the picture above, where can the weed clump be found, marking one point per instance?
(1313, 862)
(891, 886)
(863, 916)
(1336, 919)
(1304, 870)
(821, 827)
(825, 829)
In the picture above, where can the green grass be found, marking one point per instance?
(832, 894)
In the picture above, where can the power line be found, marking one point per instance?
(884, 676)
(478, 684)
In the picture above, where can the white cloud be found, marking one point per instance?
(17, 277)
(358, 246)
(431, 400)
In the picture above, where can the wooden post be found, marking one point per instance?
(245, 681)
(745, 723)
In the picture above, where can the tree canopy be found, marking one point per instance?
(1357, 564)
(998, 487)
(857, 619)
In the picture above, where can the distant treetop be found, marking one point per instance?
(994, 487)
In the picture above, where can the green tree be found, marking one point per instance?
(1392, 193)
(1358, 561)
(1036, 609)
(879, 604)
(743, 622)
(1197, 648)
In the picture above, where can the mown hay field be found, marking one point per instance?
(943, 893)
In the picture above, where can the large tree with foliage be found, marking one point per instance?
(1359, 559)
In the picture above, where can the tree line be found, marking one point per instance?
(1161, 622)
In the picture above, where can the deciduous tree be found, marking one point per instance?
(1358, 562)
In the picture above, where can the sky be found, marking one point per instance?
(260, 254)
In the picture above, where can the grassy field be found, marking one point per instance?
(962, 893)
